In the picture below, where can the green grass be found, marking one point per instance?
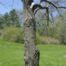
(52, 55)
(11, 54)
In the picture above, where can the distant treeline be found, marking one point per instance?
(11, 29)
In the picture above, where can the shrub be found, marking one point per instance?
(13, 34)
(16, 35)
(38, 37)
(46, 40)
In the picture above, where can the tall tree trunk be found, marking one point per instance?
(32, 54)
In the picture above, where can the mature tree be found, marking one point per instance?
(14, 19)
(11, 18)
(6, 18)
(32, 54)
(61, 29)
(1, 22)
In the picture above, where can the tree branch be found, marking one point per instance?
(62, 7)
(55, 5)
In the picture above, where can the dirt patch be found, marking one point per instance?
(65, 56)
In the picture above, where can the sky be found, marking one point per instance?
(7, 5)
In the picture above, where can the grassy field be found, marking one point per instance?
(11, 54)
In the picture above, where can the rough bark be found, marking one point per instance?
(31, 55)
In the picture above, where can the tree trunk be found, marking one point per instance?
(31, 55)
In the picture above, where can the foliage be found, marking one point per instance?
(46, 40)
(9, 19)
(13, 34)
(61, 31)
(55, 31)
(6, 18)
(2, 23)
(14, 18)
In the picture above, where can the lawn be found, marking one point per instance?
(11, 54)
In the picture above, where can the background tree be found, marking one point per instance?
(2, 23)
(6, 19)
(11, 19)
(14, 19)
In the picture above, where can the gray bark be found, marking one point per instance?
(32, 54)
